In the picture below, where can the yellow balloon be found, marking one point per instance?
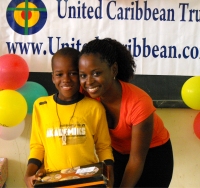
(190, 92)
(13, 108)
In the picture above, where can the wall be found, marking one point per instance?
(179, 122)
(186, 147)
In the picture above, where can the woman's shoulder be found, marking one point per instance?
(130, 88)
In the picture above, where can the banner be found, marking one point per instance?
(163, 36)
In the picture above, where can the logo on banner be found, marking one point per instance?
(26, 17)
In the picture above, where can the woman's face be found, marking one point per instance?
(96, 77)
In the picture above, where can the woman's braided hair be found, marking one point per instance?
(111, 51)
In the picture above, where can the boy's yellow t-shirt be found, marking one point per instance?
(81, 124)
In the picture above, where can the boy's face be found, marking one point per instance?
(65, 77)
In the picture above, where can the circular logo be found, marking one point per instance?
(26, 17)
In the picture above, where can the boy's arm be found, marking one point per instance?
(103, 145)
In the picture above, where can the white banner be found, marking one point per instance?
(163, 36)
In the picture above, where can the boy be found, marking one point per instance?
(67, 127)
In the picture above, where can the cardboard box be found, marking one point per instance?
(3, 171)
(94, 175)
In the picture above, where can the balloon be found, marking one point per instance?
(31, 91)
(190, 92)
(196, 125)
(10, 133)
(14, 71)
(13, 108)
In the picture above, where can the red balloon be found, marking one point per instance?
(197, 125)
(14, 71)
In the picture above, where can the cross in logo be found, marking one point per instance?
(26, 17)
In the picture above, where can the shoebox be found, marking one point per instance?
(94, 175)
(3, 171)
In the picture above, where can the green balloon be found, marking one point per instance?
(32, 91)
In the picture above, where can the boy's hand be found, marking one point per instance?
(33, 174)
(40, 173)
(110, 175)
(30, 180)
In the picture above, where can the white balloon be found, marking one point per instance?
(10, 133)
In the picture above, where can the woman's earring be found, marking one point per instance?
(114, 77)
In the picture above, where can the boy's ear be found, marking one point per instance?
(52, 77)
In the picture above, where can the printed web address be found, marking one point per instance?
(136, 49)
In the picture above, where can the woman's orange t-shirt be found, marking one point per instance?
(136, 106)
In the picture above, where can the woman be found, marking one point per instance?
(141, 144)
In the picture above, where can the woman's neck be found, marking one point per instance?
(113, 94)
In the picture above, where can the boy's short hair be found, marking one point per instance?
(69, 52)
